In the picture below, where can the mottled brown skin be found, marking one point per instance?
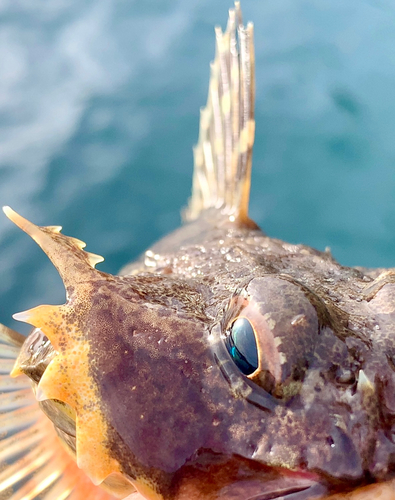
(317, 418)
(173, 395)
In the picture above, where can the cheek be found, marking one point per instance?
(153, 397)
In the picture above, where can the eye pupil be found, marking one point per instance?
(241, 345)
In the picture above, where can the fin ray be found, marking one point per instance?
(223, 154)
(18, 443)
(16, 399)
(10, 338)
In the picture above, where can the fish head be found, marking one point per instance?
(258, 392)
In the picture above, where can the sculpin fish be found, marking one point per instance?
(221, 365)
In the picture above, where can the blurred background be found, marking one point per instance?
(99, 106)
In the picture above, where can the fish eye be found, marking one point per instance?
(241, 344)
(270, 329)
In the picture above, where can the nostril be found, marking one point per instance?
(344, 376)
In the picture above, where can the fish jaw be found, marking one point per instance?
(382, 491)
(237, 478)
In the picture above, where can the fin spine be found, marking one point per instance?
(223, 154)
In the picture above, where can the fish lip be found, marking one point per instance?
(298, 489)
(233, 477)
(292, 493)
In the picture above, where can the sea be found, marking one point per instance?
(99, 110)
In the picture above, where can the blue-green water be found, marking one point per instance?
(99, 109)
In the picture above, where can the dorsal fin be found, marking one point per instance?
(223, 154)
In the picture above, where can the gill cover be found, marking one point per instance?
(33, 463)
(67, 378)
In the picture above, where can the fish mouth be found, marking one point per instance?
(297, 490)
(215, 477)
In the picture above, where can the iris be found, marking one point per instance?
(241, 344)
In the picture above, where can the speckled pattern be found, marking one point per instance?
(336, 416)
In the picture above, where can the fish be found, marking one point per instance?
(223, 364)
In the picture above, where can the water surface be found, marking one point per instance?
(99, 106)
